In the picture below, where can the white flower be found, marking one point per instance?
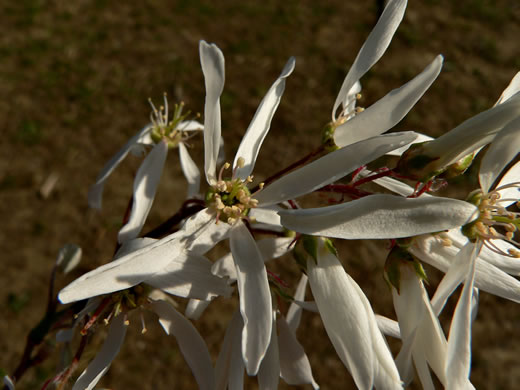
(350, 323)
(190, 343)
(355, 124)
(431, 158)
(163, 134)
(200, 232)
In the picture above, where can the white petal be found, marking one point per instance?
(330, 168)
(459, 342)
(269, 372)
(189, 275)
(199, 234)
(472, 134)
(96, 191)
(267, 218)
(381, 216)
(195, 308)
(386, 375)
(454, 276)
(388, 111)
(295, 368)
(373, 48)
(504, 148)
(512, 88)
(230, 366)
(344, 317)
(190, 343)
(420, 138)
(294, 314)
(8, 383)
(97, 367)
(190, 170)
(270, 248)
(212, 61)
(418, 322)
(259, 127)
(388, 327)
(190, 125)
(488, 277)
(255, 297)
(145, 185)
(512, 176)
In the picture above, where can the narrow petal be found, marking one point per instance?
(294, 314)
(472, 134)
(145, 186)
(330, 168)
(344, 317)
(255, 297)
(501, 152)
(230, 365)
(420, 138)
(488, 277)
(190, 343)
(512, 176)
(190, 125)
(512, 89)
(295, 368)
(97, 367)
(269, 372)
(189, 275)
(190, 170)
(454, 276)
(270, 248)
(96, 191)
(381, 216)
(267, 218)
(373, 48)
(199, 234)
(459, 342)
(259, 127)
(388, 327)
(8, 383)
(212, 62)
(388, 111)
(195, 308)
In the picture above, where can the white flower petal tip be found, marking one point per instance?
(95, 193)
(381, 216)
(198, 235)
(190, 170)
(212, 62)
(8, 382)
(190, 343)
(260, 124)
(372, 50)
(388, 111)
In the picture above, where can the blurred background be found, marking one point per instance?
(74, 82)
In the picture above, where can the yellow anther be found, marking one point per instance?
(514, 253)
(510, 235)
(241, 162)
(358, 96)
(359, 109)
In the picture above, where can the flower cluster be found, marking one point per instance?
(474, 241)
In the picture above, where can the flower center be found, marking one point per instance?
(496, 222)
(165, 129)
(230, 198)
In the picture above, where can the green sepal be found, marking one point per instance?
(327, 137)
(330, 246)
(310, 244)
(459, 167)
(392, 271)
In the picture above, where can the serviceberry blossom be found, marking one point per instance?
(163, 133)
